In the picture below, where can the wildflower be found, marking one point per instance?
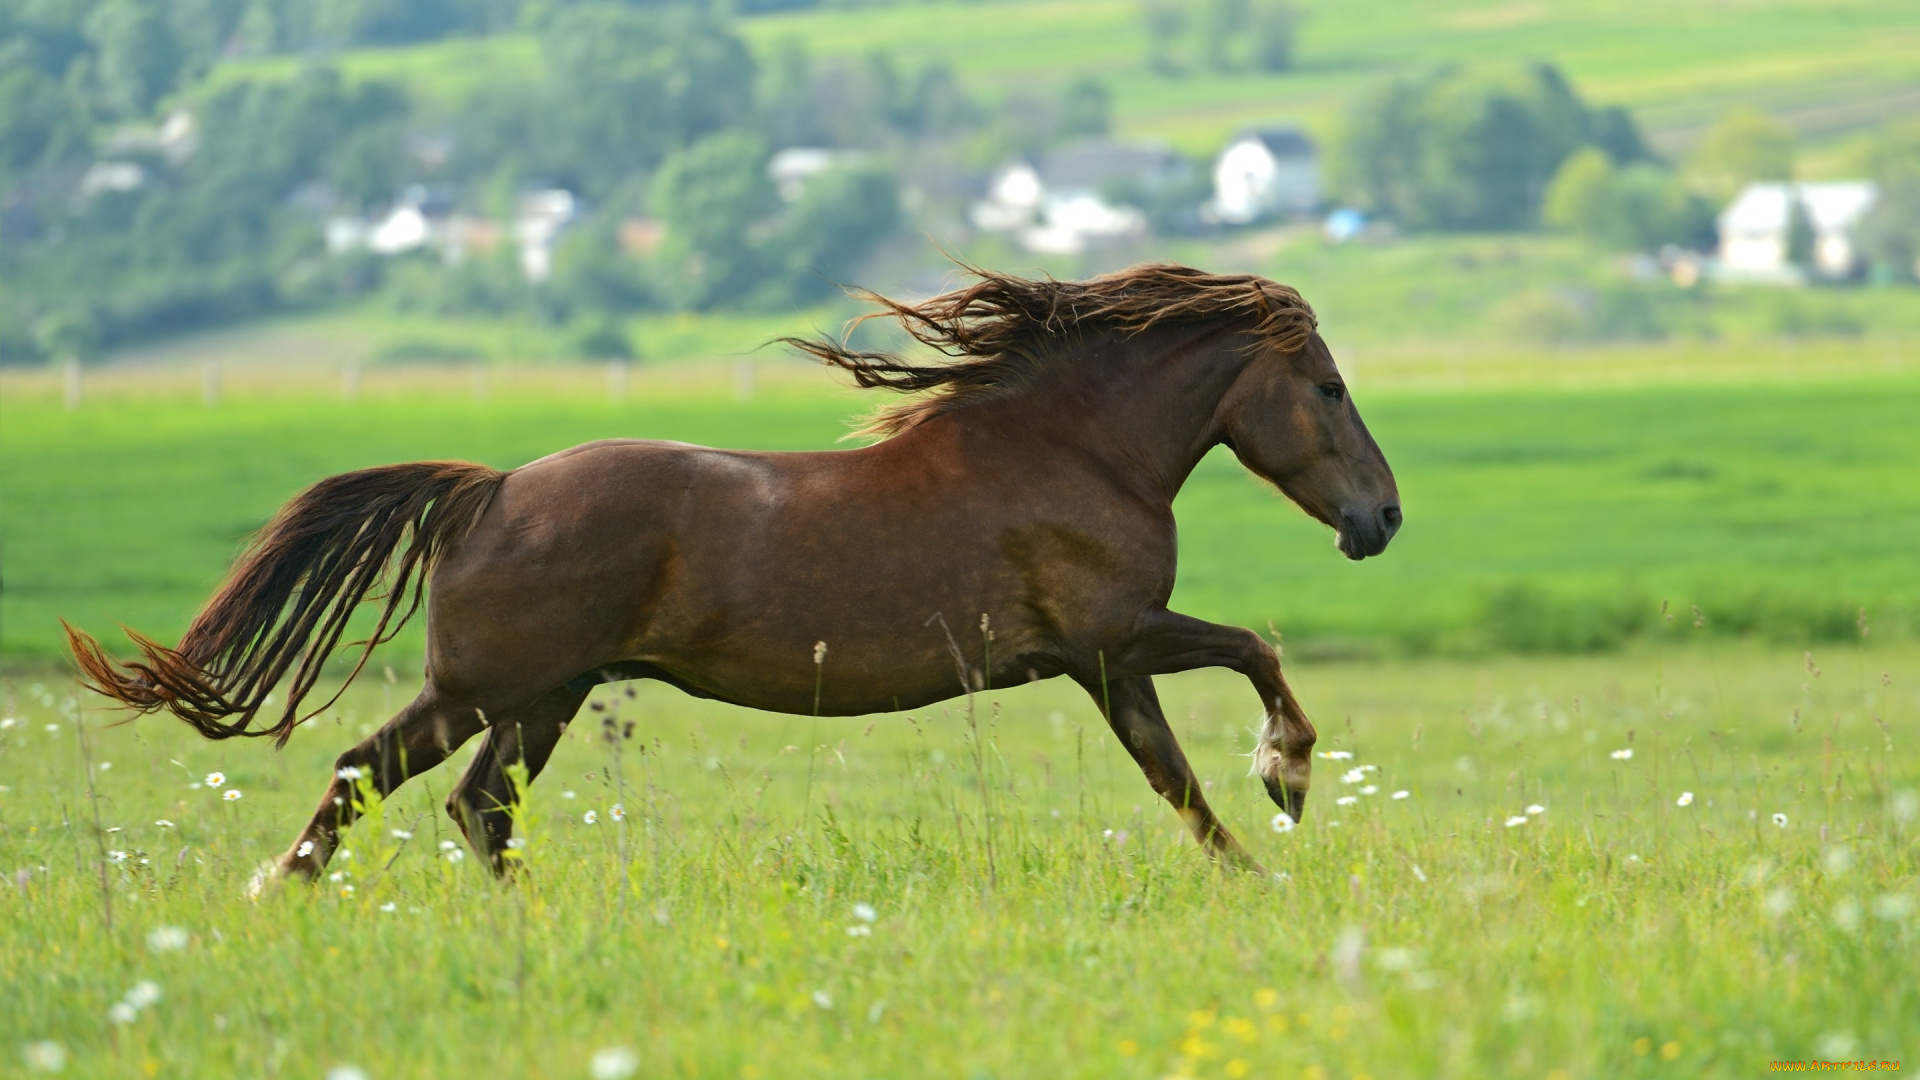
(346, 1072)
(617, 812)
(305, 849)
(53, 729)
(454, 855)
(402, 834)
(859, 930)
(614, 1063)
(1282, 822)
(45, 1055)
(1516, 820)
(346, 890)
(1402, 794)
(1894, 907)
(163, 823)
(215, 779)
(590, 817)
(166, 939)
(1337, 755)
(448, 845)
(1685, 799)
(1358, 773)
(1419, 874)
(117, 856)
(144, 995)
(1346, 800)
(337, 875)
(230, 794)
(1780, 820)
(1370, 789)
(821, 998)
(1622, 755)
(122, 1013)
(1536, 808)
(566, 795)
(7, 723)
(105, 765)
(865, 912)
(517, 843)
(350, 773)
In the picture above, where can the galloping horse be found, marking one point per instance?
(1029, 482)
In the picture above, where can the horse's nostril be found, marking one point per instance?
(1391, 516)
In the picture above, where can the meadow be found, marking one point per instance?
(1684, 862)
(1628, 845)
(1554, 500)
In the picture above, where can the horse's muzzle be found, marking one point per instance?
(1361, 534)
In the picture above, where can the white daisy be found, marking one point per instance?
(215, 779)
(1536, 808)
(1685, 799)
(1346, 800)
(1780, 820)
(589, 817)
(1282, 822)
(1337, 755)
(1516, 821)
(1402, 794)
(230, 794)
(1622, 755)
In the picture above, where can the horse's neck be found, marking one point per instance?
(1148, 404)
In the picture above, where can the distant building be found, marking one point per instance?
(1078, 196)
(1265, 173)
(1756, 229)
(791, 169)
(539, 219)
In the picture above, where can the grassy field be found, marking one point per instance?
(1828, 67)
(996, 893)
(1553, 500)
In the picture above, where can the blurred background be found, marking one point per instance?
(1628, 290)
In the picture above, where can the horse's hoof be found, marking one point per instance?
(268, 875)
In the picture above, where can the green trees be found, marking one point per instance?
(1473, 149)
(1638, 207)
(1743, 147)
(729, 241)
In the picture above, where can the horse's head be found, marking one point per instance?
(1289, 418)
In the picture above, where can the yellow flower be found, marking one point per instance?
(1129, 1048)
(1241, 1029)
(1641, 1046)
(1266, 997)
(1236, 1068)
(1669, 1051)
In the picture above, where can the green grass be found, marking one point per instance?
(1781, 506)
(1613, 934)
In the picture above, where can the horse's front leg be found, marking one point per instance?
(1133, 711)
(1166, 642)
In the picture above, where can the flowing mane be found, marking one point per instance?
(1001, 329)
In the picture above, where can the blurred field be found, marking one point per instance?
(1035, 911)
(1827, 68)
(1553, 500)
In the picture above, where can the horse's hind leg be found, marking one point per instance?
(418, 738)
(1136, 717)
(481, 802)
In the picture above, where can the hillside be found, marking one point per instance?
(1827, 68)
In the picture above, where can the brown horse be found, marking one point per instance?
(1030, 484)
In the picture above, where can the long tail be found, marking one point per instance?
(289, 599)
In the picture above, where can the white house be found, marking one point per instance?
(1263, 173)
(539, 219)
(1755, 228)
(1075, 197)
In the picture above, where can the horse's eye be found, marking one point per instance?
(1333, 391)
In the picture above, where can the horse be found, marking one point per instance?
(1026, 481)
